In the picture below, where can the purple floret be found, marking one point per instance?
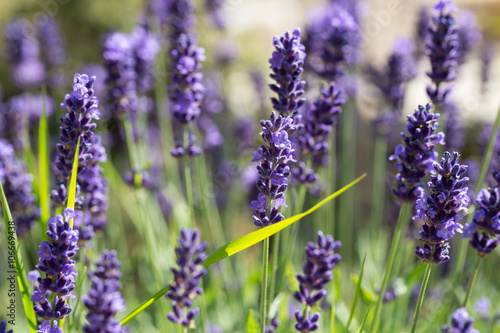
(461, 322)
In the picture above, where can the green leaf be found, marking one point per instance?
(22, 279)
(243, 243)
(72, 182)
(252, 325)
(43, 166)
(79, 286)
(364, 320)
(356, 295)
(257, 236)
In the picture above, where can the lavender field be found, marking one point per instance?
(250, 166)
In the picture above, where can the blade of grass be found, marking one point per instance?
(72, 181)
(243, 243)
(43, 166)
(423, 287)
(356, 295)
(364, 320)
(252, 325)
(22, 280)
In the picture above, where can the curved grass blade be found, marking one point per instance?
(72, 182)
(22, 279)
(356, 295)
(43, 166)
(364, 320)
(243, 243)
(252, 325)
(255, 237)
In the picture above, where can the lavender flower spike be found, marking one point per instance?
(104, 298)
(415, 157)
(442, 48)
(3, 327)
(287, 65)
(461, 322)
(273, 170)
(439, 212)
(484, 229)
(55, 261)
(190, 257)
(320, 261)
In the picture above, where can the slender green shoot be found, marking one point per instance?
(472, 280)
(404, 215)
(17, 264)
(356, 295)
(72, 181)
(188, 187)
(43, 166)
(425, 281)
(364, 320)
(263, 286)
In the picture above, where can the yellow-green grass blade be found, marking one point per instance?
(18, 265)
(356, 295)
(252, 324)
(257, 236)
(72, 182)
(43, 166)
(364, 320)
(243, 243)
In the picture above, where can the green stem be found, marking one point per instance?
(404, 215)
(472, 280)
(427, 274)
(378, 190)
(131, 147)
(187, 179)
(43, 166)
(263, 287)
(332, 183)
(482, 174)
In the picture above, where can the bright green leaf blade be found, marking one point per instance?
(18, 263)
(72, 182)
(257, 236)
(43, 166)
(356, 295)
(364, 320)
(252, 325)
(243, 243)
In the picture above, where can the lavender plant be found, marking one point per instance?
(461, 322)
(3, 327)
(190, 256)
(321, 259)
(55, 262)
(104, 298)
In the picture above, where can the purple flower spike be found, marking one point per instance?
(56, 263)
(3, 327)
(415, 157)
(45, 328)
(469, 35)
(321, 259)
(104, 298)
(442, 48)
(484, 229)
(287, 64)
(190, 257)
(461, 322)
(439, 212)
(273, 155)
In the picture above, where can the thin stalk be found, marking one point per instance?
(482, 174)
(472, 280)
(332, 183)
(275, 239)
(43, 166)
(378, 189)
(263, 287)
(404, 215)
(188, 187)
(131, 147)
(427, 274)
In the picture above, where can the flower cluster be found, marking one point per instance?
(145, 48)
(484, 229)
(415, 157)
(81, 106)
(273, 170)
(179, 17)
(55, 261)
(333, 38)
(190, 257)
(215, 9)
(119, 61)
(442, 48)
(104, 298)
(287, 65)
(439, 212)
(22, 50)
(320, 261)
(400, 69)
(18, 187)
(461, 322)
(53, 55)
(421, 31)
(3, 327)
(186, 90)
(318, 121)
(469, 35)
